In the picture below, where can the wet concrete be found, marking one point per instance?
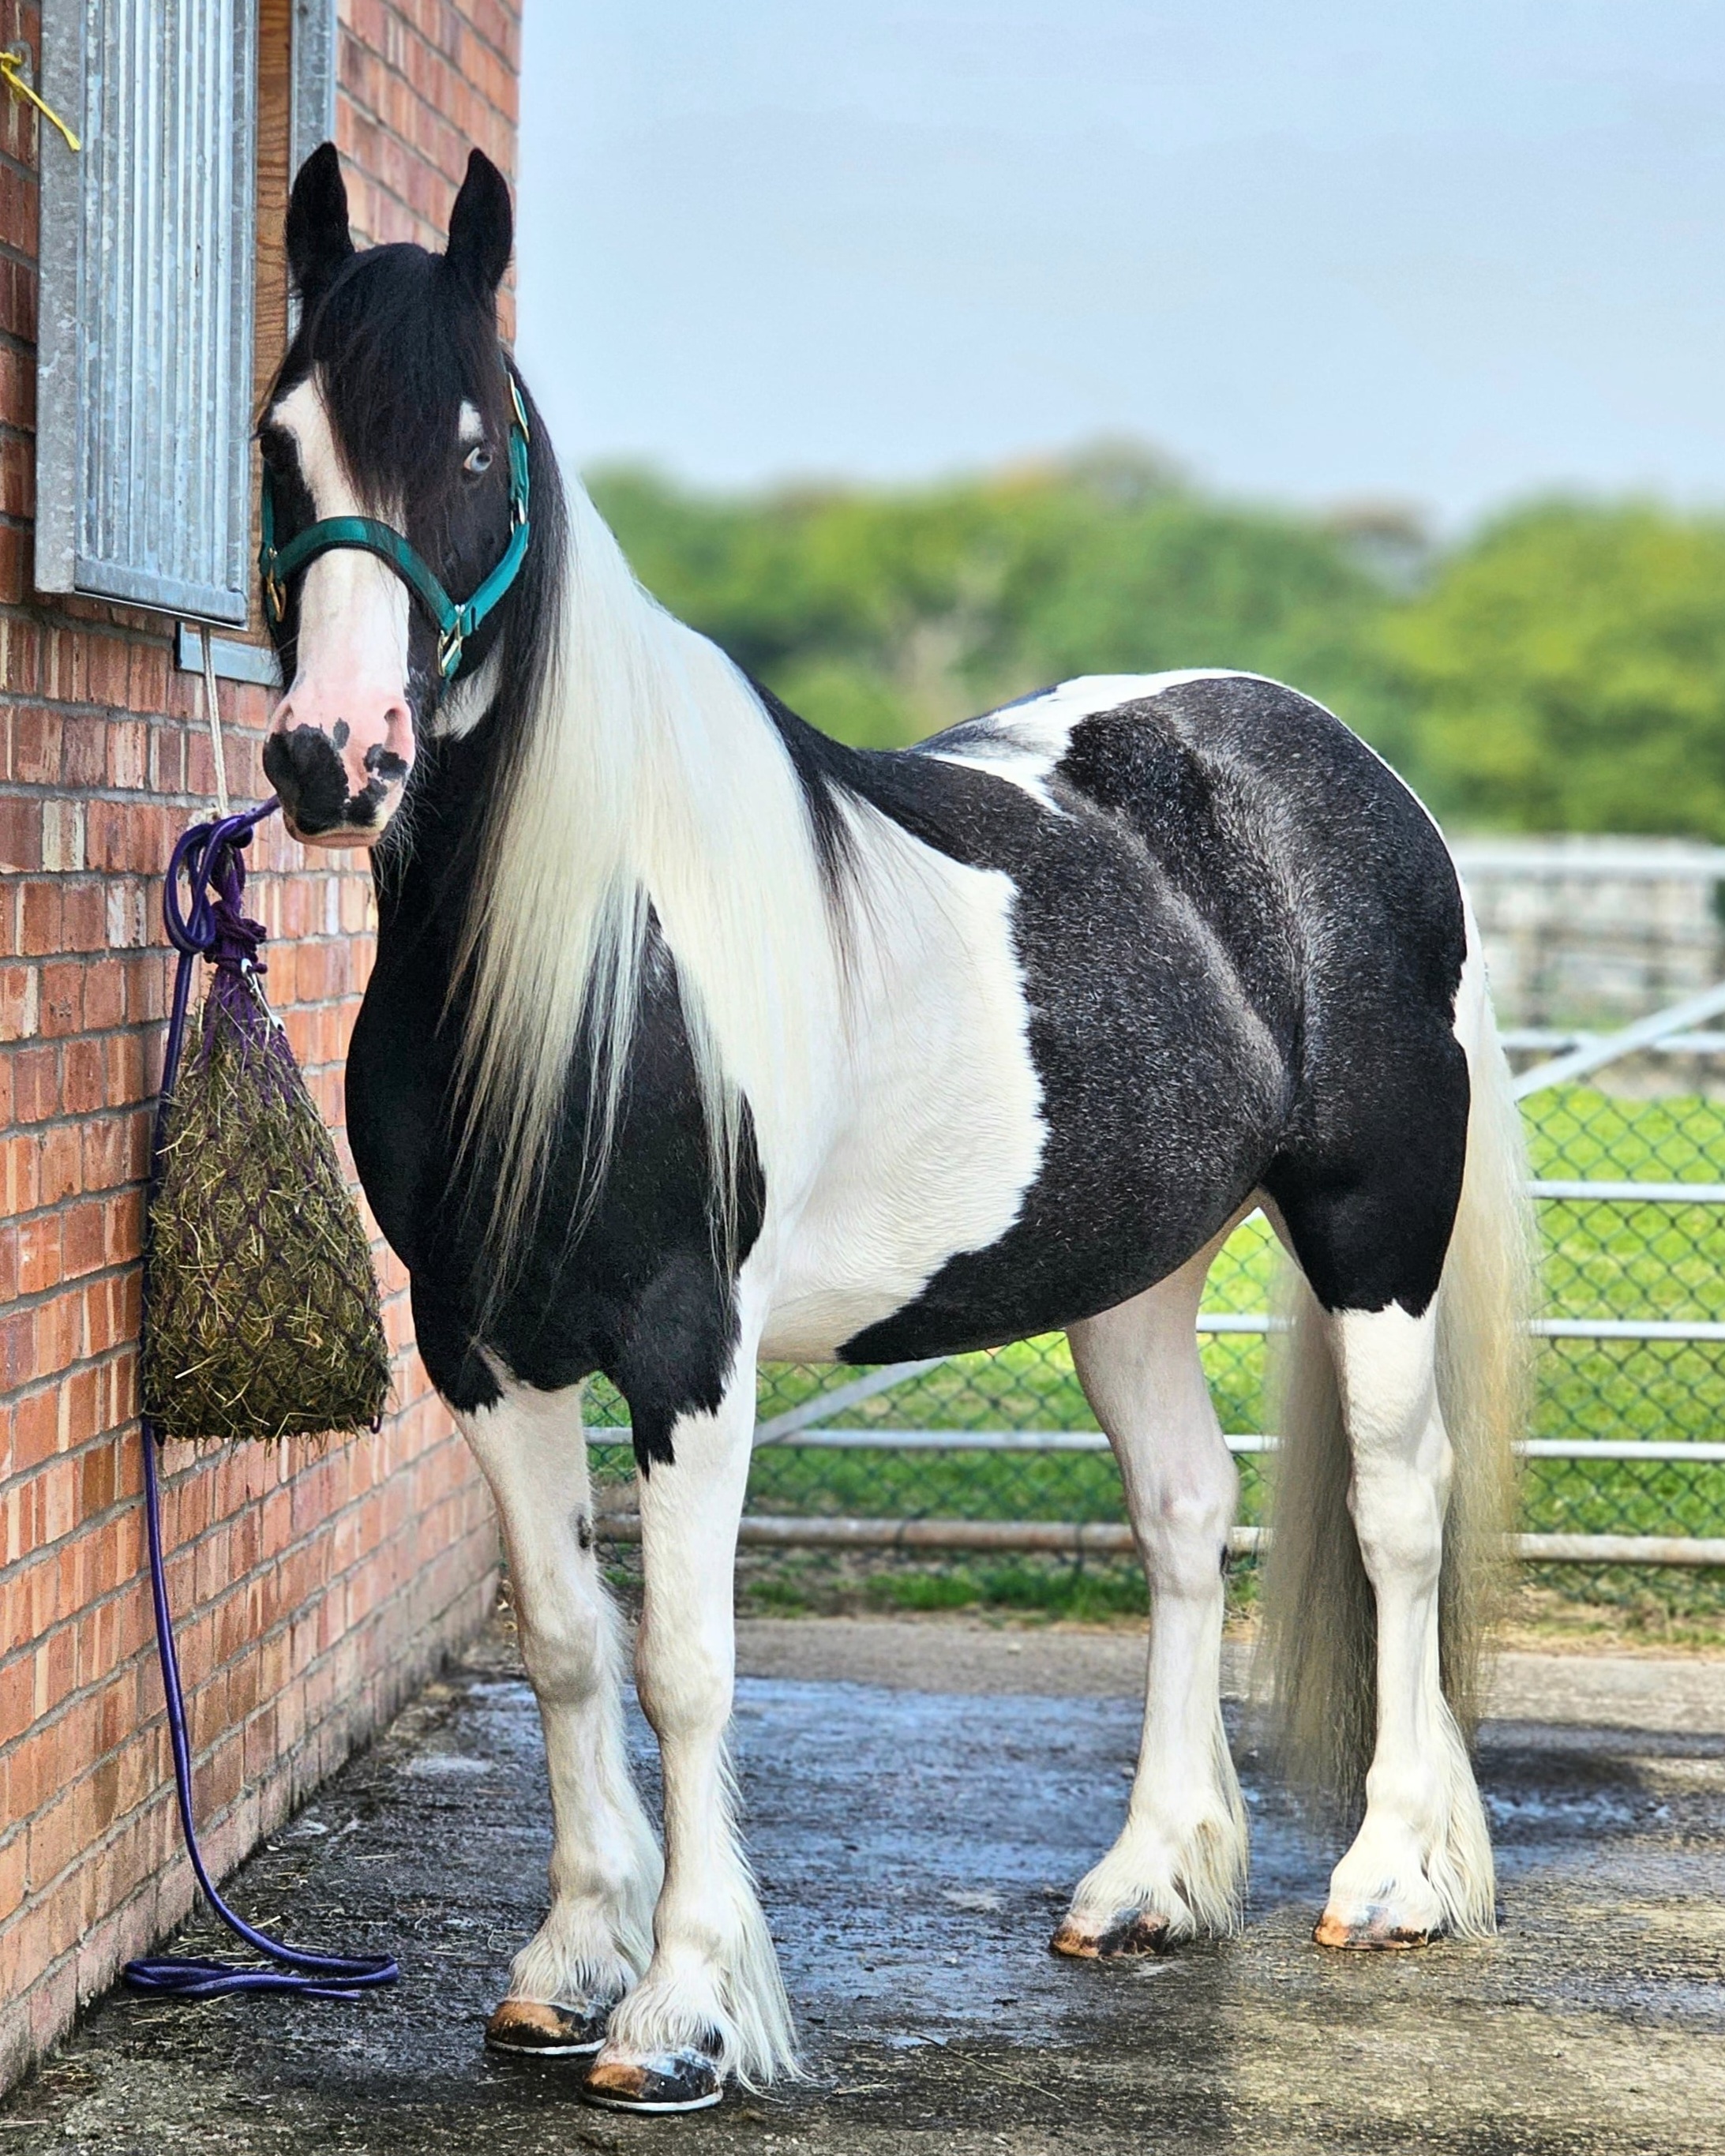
(915, 1846)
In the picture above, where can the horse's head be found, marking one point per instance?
(395, 497)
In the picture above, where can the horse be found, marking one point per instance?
(694, 1037)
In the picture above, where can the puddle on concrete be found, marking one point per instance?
(915, 1852)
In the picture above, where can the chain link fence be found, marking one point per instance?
(996, 1458)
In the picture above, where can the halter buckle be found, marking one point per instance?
(448, 649)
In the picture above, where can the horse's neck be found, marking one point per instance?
(424, 892)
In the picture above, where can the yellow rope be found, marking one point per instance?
(13, 63)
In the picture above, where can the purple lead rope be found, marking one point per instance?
(208, 857)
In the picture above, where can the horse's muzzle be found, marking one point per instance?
(330, 795)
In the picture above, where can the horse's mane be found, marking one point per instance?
(636, 775)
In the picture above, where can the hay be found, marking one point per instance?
(263, 1316)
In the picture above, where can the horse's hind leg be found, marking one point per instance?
(1372, 1248)
(1179, 1867)
(604, 1862)
(1421, 1862)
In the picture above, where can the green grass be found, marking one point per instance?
(1601, 1259)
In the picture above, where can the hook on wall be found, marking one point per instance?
(13, 63)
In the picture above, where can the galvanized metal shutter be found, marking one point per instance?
(313, 64)
(145, 365)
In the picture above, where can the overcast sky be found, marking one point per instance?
(1442, 254)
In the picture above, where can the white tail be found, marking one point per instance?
(1319, 1621)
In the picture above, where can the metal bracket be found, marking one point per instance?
(234, 661)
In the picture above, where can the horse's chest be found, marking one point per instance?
(937, 1130)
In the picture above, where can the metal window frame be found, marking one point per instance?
(313, 118)
(67, 413)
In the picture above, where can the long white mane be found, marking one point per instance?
(650, 776)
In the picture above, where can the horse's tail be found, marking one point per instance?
(1319, 1620)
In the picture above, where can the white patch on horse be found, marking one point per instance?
(471, 426)
(940, 1133)
(468, 699)
(354, 610)
(1025, 741)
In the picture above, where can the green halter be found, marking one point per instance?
(455, 623)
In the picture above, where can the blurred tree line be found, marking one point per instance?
(1563, 669)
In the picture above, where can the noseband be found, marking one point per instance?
(454, 623)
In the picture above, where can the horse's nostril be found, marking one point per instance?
(385, 764)
(301, 763)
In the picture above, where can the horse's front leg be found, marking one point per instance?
(604, 1862)
(712, 2003)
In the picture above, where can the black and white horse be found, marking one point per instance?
(694, 1037)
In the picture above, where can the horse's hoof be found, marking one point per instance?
(675, 2080)
(1375, 1934)
(1133, 1934)
(528, 2030)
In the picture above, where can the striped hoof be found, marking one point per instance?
(675, 2080)
(1375, 1933)
(1132, 1934)
(528, 2030)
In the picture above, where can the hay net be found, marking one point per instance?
(261, 1313)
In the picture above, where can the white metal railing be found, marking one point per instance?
(1544, 1328)
(1114, 1539)
(1586, 859)
(1601, 1049)
(1547, 1039)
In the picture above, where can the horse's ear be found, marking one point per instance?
(481, 227)
(318, 240)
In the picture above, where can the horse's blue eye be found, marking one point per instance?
(477, 460)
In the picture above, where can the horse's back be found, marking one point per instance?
(1231, 779)
(1324, 881)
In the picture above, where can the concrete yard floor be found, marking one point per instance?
(922, 1797)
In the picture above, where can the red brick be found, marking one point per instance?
(61, 1001)
(84, 751)
(14, 540)
(20, 1175)
(84, 1238)
(104, 995)
(35, 1428)
(20, 1002)
(20, 835)
(85, 1077)
(84, 915)
(35, 1078)
(42, 930)
(36, 746)
(39, 1254)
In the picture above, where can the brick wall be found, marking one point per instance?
(315, 1589)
